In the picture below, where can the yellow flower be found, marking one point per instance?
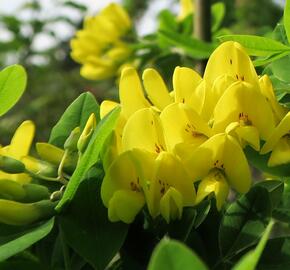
(138, 177)
(98, 46)
(220, 153)
(279, 143)
(18, 148)
(239, 105)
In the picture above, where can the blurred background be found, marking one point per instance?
(36, 34)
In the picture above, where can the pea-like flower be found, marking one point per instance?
(99, 47)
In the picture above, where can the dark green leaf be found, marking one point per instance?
(90, 157)
(75, 115)
(251, 258)
(202, 210)
(85, 225)
(20, 241)
(173, 255)
(258, 46)
(244, 222)
(275, 189)
(12, 85)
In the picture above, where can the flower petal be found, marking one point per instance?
(231, 59)
(238, 100)
(185, 81)
(171, 205)
(143, 130)
(106, 107)
(131, 93)
(183, 125)
(281, 153)
(281, 130)
(22, 139)
(156, 88)
(125, 205)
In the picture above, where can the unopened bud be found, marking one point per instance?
(72, 141)
(87, 133)
(11, 165)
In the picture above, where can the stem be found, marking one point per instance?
(202, 26)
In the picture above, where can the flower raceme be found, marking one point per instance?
(172, 149)
(98, 47)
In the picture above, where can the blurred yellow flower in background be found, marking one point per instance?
(99, 47)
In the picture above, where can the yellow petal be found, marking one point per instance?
(125, 205)
(169, 172)
(121, 175)
(106, 107)
(156, 88)
(213, 182)
(236, 105)
(185, 82)
(230, 58)
(22, 139)
(213, 93)
(186, 8)
(281, 130)
(281, 152)
(93, 72)
(143, 130)
(245, 134)
(118, 15)
(183, 125)
(171, 205)
(221, 152)
(131, 93)
(267, 90)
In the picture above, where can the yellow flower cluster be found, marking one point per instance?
(99, 46)
(167, 142)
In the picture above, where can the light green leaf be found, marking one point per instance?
(13, 81)
(75, 115)
(217, 14)
(286, 19)
(268, 59)
(90, 157)
(24, 240)
(258, 46)
(192, 47)
(173, 255)
(250, 260)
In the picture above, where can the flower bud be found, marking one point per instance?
(71, 142)
(11, 165)
(87, 133)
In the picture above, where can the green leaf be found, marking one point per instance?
(12, 85)
(13, 244)
(280, 69)
(217, 14)
(268, 59)
(251, 258)
(286, 19)
(192, 47)
(276, 255)
(202, 210)
(75, 115)
(85, 225)
(275, 189)
(173, 255)
(244, 222)
(90, 157)
(260, 162)
(256, 45)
